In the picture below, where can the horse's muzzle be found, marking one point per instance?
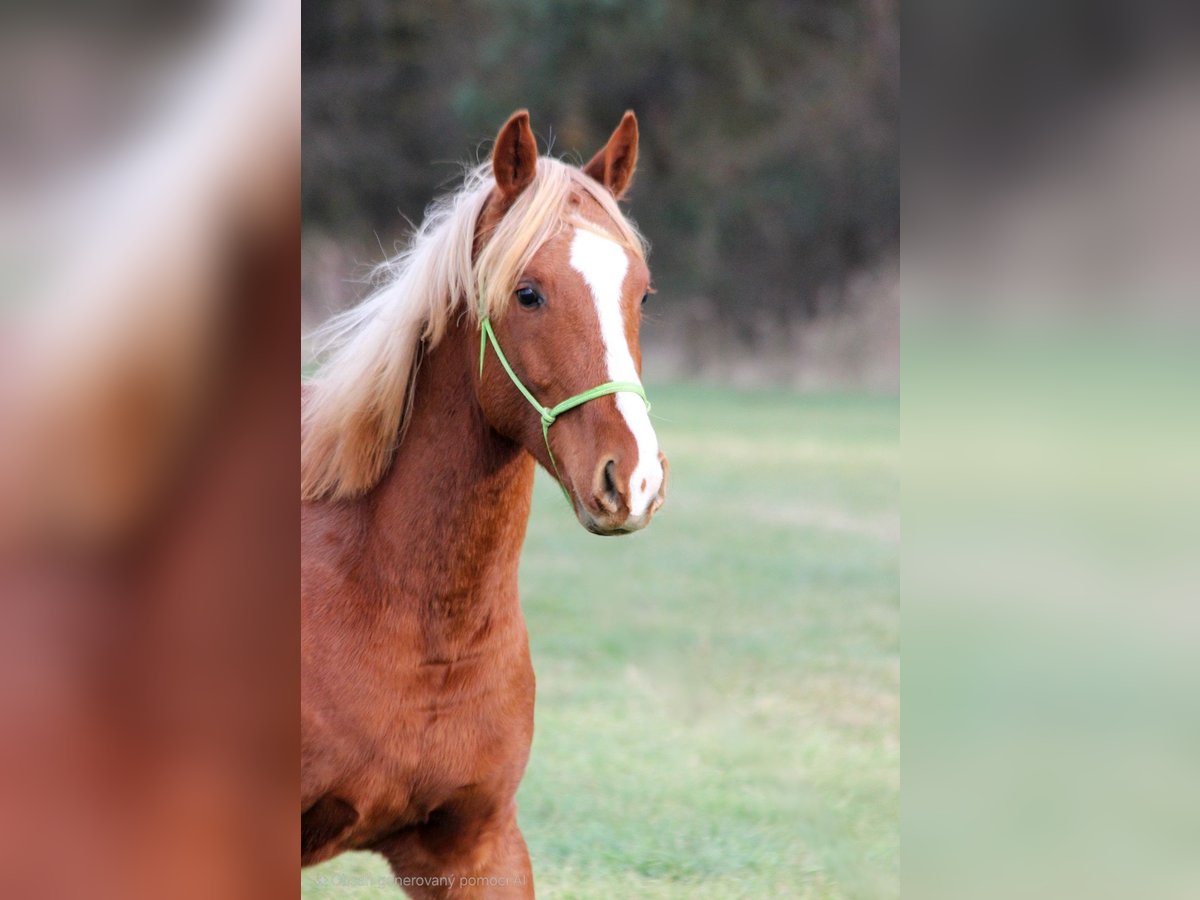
(606, 511)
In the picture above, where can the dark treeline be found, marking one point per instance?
(769, 162)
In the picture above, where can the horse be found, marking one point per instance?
(506, 336)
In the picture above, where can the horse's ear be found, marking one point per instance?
(613, 166)
(514, 158)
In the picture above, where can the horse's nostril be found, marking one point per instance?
(610, 484)
(607, 494)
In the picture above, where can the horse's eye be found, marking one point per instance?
(529, 298)
(645, 297)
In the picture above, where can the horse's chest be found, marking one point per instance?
(456, 727)
(410, 719)
(466, 716)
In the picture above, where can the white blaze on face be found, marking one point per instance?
(603, 264)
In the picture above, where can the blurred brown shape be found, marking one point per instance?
(148, 570)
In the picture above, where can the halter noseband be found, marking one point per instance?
(549, 414)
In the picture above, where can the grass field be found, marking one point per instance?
(718, 696)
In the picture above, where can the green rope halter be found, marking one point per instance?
(550, 413)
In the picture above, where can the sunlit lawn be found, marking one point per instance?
(718, 706)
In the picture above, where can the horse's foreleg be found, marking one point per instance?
(456, 858)
(511, 855)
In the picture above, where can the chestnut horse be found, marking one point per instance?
(508, 333)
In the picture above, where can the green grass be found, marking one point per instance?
(717, 708)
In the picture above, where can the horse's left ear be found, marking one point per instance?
(613, 166)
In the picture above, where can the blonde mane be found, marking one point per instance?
(354, 413)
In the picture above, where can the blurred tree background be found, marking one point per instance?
(768, 178)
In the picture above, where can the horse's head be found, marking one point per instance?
(569, 323)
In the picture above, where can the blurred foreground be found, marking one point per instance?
(148, 571)
(1051, 484)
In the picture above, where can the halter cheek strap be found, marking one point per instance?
(550, 414)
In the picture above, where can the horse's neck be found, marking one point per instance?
(449, 517)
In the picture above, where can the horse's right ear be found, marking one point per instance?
(514, 158)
